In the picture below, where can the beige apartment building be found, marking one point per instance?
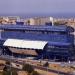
(37, 21)
(8, 20)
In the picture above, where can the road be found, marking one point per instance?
(36, 67)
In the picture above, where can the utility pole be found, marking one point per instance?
(10, 63)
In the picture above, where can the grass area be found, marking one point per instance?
(42, 72)
(65, 69)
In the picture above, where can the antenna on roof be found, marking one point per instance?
(51, 20)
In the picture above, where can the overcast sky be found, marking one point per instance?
(36, 6)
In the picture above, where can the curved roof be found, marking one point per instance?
(25, 44)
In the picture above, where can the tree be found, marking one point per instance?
(5, 68)
(14, 71)
(7, 62)
(46, 64)
(34, 73)
(28, 68)
(8, 72)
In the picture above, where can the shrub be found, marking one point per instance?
(28, 68)
(6, 68)
(34, 73)
(46, 64)
(8, 72)
(7, 62)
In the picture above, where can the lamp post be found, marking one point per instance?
(69, 65)
(10, 64)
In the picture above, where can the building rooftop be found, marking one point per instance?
(35, 28)
(25, 44)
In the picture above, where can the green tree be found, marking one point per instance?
(46, 64)
(28, 68)
(1, 73)
(7, 63)
(5, 68)
(14, 71)
(34, 73)
(8, 72)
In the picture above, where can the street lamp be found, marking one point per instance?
(69, 65)
(10, 64)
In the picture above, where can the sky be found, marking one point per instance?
(36, 6)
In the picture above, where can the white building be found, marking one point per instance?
(37, 21)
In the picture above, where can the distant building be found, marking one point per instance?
(38, 21)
